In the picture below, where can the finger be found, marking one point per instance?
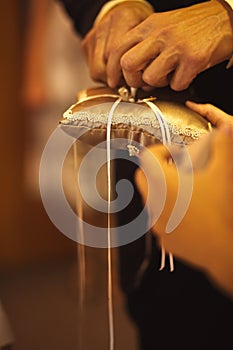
(183, 75)
(141, 54)
(133, 79)
(157, 73)
(135, 61)
(94, 47)
(98, 63)
(215, 115)
(116, 33)
(147, 87)
(113, 64)
(124, 33)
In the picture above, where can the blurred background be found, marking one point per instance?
(42, 69)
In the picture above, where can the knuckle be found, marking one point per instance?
(180, 86)
(147, 78)
(164, 32)
(97, 73)
(150, 79)
(127, 63)
(208, 110)
(113, 47)
(208, 106)
(195, 62)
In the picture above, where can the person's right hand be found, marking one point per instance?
(107, 34)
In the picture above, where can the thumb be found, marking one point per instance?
(216, 116)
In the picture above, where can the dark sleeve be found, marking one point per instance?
(82, 13)
(168, 5)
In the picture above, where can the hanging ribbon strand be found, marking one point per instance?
(166, 139)
(110, 295)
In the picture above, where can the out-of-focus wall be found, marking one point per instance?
(11, 133)
(26, 233)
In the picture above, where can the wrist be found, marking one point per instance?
(114, 3)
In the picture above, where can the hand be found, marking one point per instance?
(105, 36)
(204, 237)
(215, 115)
(173, 47)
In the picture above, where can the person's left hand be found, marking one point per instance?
(108, 33)
(171, 48)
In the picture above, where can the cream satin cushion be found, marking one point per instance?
(132, 121)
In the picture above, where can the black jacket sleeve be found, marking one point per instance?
(83, 12)
(168, 5)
